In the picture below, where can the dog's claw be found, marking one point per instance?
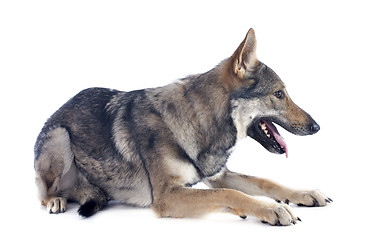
(299, 219)
(286, 201)
(315, 202)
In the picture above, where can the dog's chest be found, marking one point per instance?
(186, 172)
(213, 158)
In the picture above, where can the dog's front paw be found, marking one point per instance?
(278, 215)
(312, 198)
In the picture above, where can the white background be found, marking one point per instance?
(327, 52)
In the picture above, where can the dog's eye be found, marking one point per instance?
(279, 94)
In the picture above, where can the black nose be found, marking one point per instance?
(314, 128)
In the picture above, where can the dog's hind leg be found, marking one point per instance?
(59, 179)
(52, 163)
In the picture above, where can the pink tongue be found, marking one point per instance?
(278, 138)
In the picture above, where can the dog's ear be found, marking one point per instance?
(244, 58)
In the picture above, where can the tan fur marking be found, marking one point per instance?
(295, 114)
(264, 187)
(188, 202)
(242, 60)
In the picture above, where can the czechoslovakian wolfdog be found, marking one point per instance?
(148, 147)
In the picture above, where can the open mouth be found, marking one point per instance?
(265, 132)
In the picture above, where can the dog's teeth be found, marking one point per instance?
(264, 128)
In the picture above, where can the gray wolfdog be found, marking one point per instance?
(148, 147)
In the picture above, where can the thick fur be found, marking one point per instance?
(147, 147)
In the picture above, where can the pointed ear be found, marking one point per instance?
(244, 58)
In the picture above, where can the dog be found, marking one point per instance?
(148, 147)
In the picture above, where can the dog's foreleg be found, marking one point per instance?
(188, 202)
(262, 187)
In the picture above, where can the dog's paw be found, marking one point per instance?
(278, 215)
(312, 198)
(56, 205)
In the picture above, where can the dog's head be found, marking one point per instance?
(259, 99)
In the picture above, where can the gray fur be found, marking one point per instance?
(106, 144)
(109, 138)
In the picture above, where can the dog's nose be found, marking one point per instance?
(314, 128)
